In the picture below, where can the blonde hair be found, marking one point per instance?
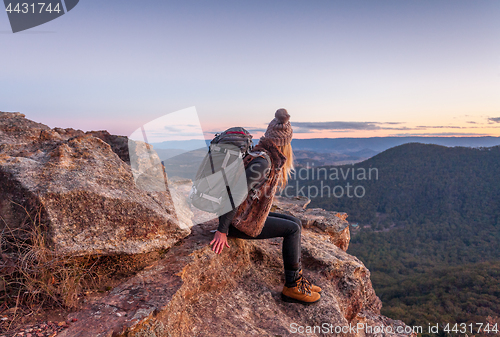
(288, 166)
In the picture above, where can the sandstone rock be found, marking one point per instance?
(119, 144)
(295, 203)
(186, 213)
(318, 219)
(195, 292)
(83, 192)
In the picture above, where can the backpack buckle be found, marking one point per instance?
(256, 194)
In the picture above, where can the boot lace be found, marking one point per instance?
(304, 286)
(309, 285)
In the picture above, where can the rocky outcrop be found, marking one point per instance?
(194, 292)
(316, 219)
(80, 189)
(86, 196)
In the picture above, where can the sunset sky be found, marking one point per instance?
(341, 68)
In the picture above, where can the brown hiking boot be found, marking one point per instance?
(312, 287)
(300, 293)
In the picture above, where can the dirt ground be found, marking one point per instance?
(33, 320)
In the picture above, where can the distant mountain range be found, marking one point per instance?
(379, 144)
(336, 151)
(354, 150)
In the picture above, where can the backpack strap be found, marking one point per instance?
(228, 152)
(255, 190)
(261, 154)
(205, 196)
(223, 166)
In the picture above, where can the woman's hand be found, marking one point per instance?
(219, 241)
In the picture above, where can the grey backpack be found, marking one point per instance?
(220, 184)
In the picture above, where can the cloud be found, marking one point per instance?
(305, 127)
(252, 129)
(173, 129)
(438, 127)
(249, 129)
(173, 134)
(311, 127)
(439, 134)
(494, 120)
(300, 130)
(342, 127)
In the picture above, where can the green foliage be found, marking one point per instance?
(463, 294)
(429, 230)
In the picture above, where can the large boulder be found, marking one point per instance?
(78, 187)
(316, 219)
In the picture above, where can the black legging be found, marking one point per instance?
(279, 225)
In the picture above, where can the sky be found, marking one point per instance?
(340, 68)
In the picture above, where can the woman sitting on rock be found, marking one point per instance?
(253, 219)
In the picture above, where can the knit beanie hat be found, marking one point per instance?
(280, 130)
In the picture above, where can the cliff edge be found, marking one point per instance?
(195, 292)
